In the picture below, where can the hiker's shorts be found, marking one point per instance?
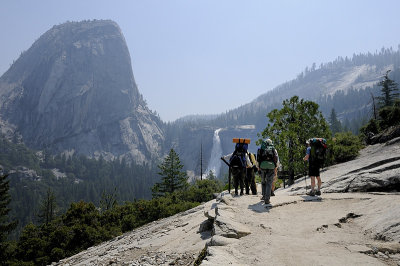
(313, 170)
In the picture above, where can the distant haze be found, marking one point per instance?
(206, 57)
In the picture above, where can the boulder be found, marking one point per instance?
(220, 256)
(221, 241)
(226, 227)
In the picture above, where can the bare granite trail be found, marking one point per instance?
(303, 230)
(359, 225)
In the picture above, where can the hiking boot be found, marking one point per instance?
(311, 193)
(267, 202)
(272, 194)
(318, 193)
(241, 193)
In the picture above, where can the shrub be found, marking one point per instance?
(390, 116)
(57, 254)
(128, 223)
(345, 147)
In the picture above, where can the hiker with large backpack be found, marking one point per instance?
(315, 155)
(238, 162)
(267, 158)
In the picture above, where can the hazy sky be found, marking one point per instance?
(209, 56)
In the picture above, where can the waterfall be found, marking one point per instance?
(216, 152)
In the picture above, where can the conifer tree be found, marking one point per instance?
(48, 206)
(108, 200)
(5, 225)
(389, 91)
(211, 175)
(172, 176)
(335, 124)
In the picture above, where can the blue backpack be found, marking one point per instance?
(238, 158)
(318, 150)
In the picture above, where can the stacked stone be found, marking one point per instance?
(225, 230)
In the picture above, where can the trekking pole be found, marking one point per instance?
(229, 180)
(305, 175)
(229, 174)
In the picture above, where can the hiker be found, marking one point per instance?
(315, 156)
(267, 158)
(250, 181)
(238, 162)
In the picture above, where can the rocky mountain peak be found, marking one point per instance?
(74, 90)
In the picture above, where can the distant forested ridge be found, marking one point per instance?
(333, 85)
(346, 85)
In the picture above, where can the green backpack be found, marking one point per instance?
(266, 156)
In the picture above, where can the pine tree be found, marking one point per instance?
(335, 124)
(48, 207)
(172, 176)
(389, 91)
(211, 176)
(108, 200)
(5, 225)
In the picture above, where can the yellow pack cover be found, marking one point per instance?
(239, 140)
(253, 159)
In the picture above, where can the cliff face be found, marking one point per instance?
(74, 90)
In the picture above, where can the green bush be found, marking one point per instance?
(202, 190)
(371, 128)
(390, 116)
(345, 147)
(128, 223)
(57, 254)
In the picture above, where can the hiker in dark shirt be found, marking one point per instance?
(238, 162)
(313, 171)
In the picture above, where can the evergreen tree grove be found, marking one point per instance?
(5, 225)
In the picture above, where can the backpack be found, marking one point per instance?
(238, 158)
(266, 156)
(318, 150)
(252, 158)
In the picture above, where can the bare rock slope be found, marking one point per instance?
(73, 90)
(351, 228)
